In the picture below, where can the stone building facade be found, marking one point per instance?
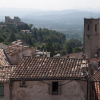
(15, 21)
(45, 78)
(15, 53)
(42, 90)
(91, 37)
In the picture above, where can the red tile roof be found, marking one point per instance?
(73, 55)
(5, 72)
(97, 75)
(3, 59)
(94, 59)
(13, 49)
(49, 68)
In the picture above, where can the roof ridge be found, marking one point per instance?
(57, 58)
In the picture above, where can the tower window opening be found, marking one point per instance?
(88, 28)
(95, 27)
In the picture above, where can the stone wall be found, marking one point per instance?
(91, 37)
(6, 92)
(16, 58)
(36, 90)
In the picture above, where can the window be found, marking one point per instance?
(54, 88)
(1, 90)
(88, 27)
(95, 27)
(22, 84)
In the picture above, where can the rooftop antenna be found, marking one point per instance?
(91, 13)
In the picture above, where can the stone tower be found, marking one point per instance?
(91, 37)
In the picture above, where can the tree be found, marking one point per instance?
(68, 48)
(1, 39)
(49, 47)
(12, 37)
(57, 46)
(76, 49)
(63, 52)
(30, 40)
(40, 38)
(30, 26)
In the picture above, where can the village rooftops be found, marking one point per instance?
(13, 49)
(2, 45)
(17, 42)
(73, 55)
(46, 68)
(41, 53)
(97, 75)
(3, 59)
(96, 72)
(5, 72)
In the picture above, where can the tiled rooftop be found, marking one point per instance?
(97, 75)
(2, 45)
(96, 72)
(17, 42)
(13, 49)
(94, 59)
(5, 72)
(3, 59)
(34, 68)
(73, 55)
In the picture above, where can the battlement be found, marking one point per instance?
(15, 21)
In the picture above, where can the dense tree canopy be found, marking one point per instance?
(55, 42)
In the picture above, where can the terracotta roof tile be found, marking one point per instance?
(13, 49)
(94, 59)
(73, 55)
(3, 59)
(5, 72)
(49, 68)
(97, 75)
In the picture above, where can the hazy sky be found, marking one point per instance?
(52, 4)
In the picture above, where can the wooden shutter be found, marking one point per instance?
(1, 90)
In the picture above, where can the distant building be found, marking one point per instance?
(1, 26)
(73, 55)
(16, 52)
(57, 55)
(26, 31)
(17, 42)
(39, 53)
(15, 21)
